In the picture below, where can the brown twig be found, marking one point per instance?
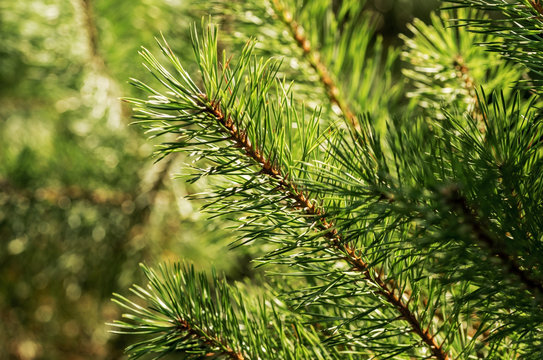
(313, 58)
(536, 4)
(461, 205)
(468, 83)
(239, 137)
(211, 341)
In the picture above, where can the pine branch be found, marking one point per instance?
(184, 327)
(449, 65)
(342, 42)
(488, 241)
(230, 127)
(430, 56)
(485, 167)
(286, 194)
(365, 222)
(176, 326)
(517, 32)
(186, 312)
(335, 239)
(468, 83)
(313, 58)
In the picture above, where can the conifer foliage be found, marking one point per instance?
(397, 220)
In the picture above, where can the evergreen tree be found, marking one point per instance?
(396, 220)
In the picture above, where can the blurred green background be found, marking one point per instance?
(81, 201)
